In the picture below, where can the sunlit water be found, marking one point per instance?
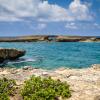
(56, 54)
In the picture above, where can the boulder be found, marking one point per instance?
(10, 54)
(27, 68)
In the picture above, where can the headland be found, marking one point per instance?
(56, 38)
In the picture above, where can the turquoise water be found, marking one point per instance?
(57, 54)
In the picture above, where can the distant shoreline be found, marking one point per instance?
(50, 38)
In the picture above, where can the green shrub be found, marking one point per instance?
(4, 96)
(38, 88)
(6, 88)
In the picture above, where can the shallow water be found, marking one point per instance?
(56, 54)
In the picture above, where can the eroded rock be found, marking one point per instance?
(10, 54)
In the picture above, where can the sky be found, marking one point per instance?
(49, 17)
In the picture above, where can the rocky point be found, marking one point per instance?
(7, 54)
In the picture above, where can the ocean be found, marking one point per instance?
(52, 55)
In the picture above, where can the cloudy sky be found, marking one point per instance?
(63, 17)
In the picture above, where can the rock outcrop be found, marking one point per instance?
(77, 39)
(68, 39)
(34, 38)
(10, 54)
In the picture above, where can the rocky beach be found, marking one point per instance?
(84, 83)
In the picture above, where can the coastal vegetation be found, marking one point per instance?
(7, 88)
(84, 83)
(37, 88)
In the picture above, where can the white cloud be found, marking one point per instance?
(42, 11)
(82, 26)
(41, 26)
(37, 26)
(76, 11)
(20, 8)
(9, 18)
(96, 25)
(71, 25)
(53, 13)
(90, 26)
(17, 9)
(79, 11)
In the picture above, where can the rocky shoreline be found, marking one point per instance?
(84, 83)
(49, 38)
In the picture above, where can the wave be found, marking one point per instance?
(21, 60)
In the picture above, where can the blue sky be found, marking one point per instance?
(61, 17)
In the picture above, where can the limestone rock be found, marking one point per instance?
(27, 68)
(10, 54)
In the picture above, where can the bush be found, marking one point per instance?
(6, 88)
(37, 88)
(4, 96)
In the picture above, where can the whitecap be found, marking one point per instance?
(22, 60)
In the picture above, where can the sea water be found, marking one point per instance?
(52, 55)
